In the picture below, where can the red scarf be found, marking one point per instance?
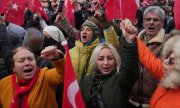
(24, 92)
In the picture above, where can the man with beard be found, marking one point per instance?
(167, 93)
(153, 35)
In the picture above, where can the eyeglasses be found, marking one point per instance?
(171, 61)
(154, 19)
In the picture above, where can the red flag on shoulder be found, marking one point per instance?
(36, 7)
(177, 14)
(120, 9)
(71, 96)
(14, 11)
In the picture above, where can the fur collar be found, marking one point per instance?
(158, 38)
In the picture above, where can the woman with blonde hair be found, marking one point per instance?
(109, 85)
(167, 94)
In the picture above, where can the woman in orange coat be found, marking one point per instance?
(29, 86)
(167, 94)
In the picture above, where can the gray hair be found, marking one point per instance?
(33, 39)
(156, 10)
(115, 53)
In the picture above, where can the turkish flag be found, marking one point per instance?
(3, 5)
(15, 11)
(69, 11)
(177, 14)
(71, 96)
(36, 7)
(120, 9)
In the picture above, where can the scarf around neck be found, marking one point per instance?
(22, 91)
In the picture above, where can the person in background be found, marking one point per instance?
(52, 37)
(6, 49)
(34, 22)
(14, 41)
(153, 35)
(45, 3)
(30, 86)
(34, 40)
(20, 31)
(138, 21)
(169, 23)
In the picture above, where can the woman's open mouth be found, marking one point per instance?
(27, 70)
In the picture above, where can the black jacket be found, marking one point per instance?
(113, 91)
(6, 49)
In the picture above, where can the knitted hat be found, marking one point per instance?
(93, 26)
(55, 33)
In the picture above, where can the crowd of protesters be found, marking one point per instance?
(118, 64)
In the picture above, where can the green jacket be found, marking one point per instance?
(80, 53)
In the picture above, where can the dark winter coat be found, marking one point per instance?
(113, 90)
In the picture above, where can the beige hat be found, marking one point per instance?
(55, 33)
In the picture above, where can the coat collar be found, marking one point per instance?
(159, 38)
(86, 48)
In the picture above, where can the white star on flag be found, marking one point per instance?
(15, 7)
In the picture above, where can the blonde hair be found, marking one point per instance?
(172, 46)
(96, 51)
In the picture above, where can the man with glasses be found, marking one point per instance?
(153, 35)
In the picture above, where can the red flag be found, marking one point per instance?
(120, 9)
(15, 11)
(69, 11)
(127, 12)
(71, 96)
(36, 7)
(3, 5)
(177, 14)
